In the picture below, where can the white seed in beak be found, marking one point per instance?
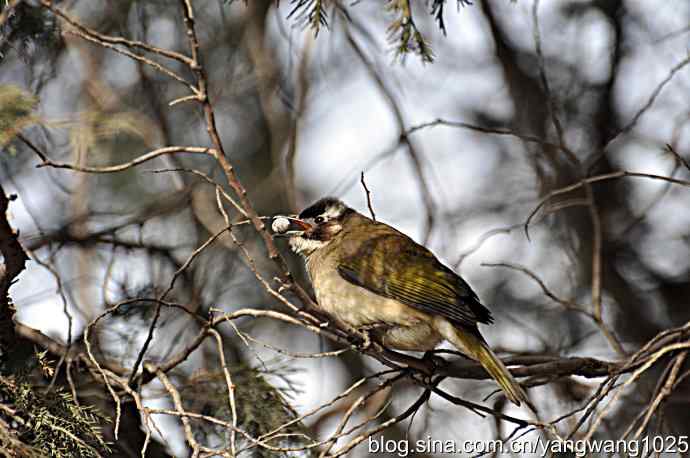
(280, 225)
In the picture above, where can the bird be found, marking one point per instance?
(367, 275)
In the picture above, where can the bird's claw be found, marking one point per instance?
(282, 286)
(361, 338)
(433, 361)
(366, 342)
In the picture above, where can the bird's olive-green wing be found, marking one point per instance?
(394, 266)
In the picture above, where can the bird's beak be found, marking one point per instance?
(296, 228)
(299, 224)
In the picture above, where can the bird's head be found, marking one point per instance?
(316, 225)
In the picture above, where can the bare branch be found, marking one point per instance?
(128, 165)
(650, 101)
(368, 194)
(597, 179)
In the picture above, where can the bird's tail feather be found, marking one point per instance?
(498, 371)
(476, 348)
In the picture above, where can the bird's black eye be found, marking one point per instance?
(318, 219)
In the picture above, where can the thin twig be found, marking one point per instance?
(128, 165)
(177, 401)
(231, 390)
(159, 303)
(650, 100)
(368, 194)
(486, 130)
(596, 179)
(568, 304)
(415, 160)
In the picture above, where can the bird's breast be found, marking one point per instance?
(399, 326)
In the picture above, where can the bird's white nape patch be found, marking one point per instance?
(334, 211)
(304, 246)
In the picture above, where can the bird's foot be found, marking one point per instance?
(282, 286)
(435, 362)
(356, 339)
(360, 340)
(423, 366)
(363, 337)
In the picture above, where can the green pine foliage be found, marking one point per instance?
(16, 107)
(261, 409)
(403, 33)
(311, 13)
(47, 422)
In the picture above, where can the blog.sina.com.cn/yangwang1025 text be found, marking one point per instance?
(540, 447)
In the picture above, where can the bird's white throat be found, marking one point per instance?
(305, 247)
